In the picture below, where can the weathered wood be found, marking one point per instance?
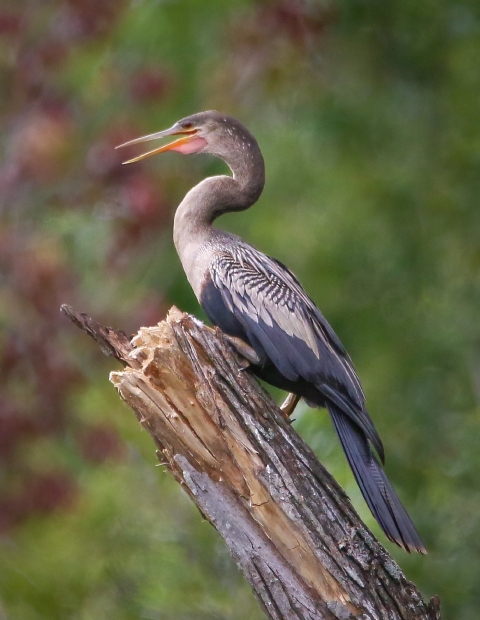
(113, 343)
(287, 523)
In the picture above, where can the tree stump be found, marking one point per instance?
(287, 523)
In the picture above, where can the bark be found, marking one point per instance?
(288, 525)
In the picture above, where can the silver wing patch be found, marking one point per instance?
(262, 295)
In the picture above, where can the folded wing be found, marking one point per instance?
(279, 317)
(287, 330)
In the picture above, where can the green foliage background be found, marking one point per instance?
(367, 114)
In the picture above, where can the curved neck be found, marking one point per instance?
(220, 194)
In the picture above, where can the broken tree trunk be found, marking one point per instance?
(288, 525)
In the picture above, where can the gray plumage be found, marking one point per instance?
(256, 298)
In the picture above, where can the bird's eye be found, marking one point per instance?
(187, 125)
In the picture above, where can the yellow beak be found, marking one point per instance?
(189, 143)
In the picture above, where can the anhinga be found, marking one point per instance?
(257, 301)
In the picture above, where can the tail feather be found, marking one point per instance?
(374, 484)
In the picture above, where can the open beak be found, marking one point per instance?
(189, 143)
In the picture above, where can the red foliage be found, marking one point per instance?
(14, 428)
(49, 491)
(101, 442)
(41, 141)
(299, 20)
(103, 161)
(85, 19)
(149, 85)
(48, 170)
(41, 494)
(145, 202)
(10, 23)
(52, 53)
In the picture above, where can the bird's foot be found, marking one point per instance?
(242, 348)
(289, 404)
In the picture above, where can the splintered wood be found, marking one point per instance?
(287, 524)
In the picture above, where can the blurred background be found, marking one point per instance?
(368, 117)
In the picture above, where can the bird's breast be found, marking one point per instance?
(196, 261)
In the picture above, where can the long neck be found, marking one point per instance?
(217, 195)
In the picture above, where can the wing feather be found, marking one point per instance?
(264, 290)
(275, 311)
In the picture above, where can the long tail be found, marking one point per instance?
(374, 484)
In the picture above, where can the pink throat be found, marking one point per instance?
(195, 145)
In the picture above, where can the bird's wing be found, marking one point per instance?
(278, 315)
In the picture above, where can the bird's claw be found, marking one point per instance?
(242, 348)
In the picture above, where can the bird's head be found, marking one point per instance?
(204, 132)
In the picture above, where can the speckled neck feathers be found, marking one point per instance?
(220, 194)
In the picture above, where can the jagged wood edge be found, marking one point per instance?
(364, 578)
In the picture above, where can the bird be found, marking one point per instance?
(259, 304)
